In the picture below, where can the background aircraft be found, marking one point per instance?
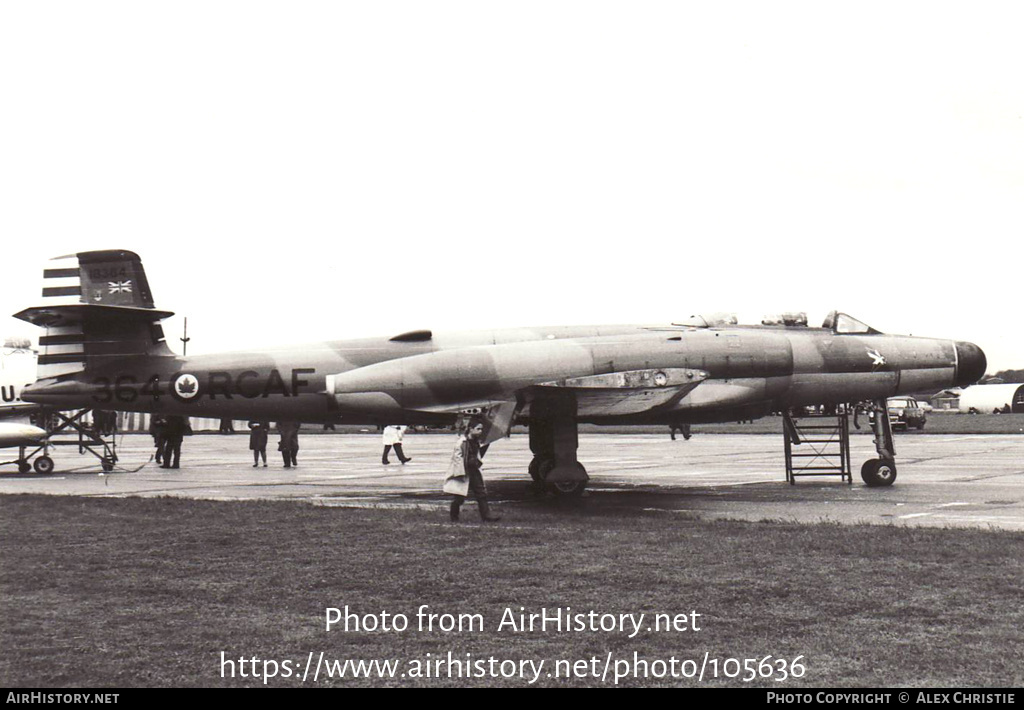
(17, 369)
(103, 347)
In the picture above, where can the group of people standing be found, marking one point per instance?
(259, 432)
(463, 478)
(168, 432)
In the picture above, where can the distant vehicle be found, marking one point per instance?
(905, 412)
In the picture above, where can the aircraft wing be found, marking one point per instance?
(607, 395)
(629, 392)
(18, 409)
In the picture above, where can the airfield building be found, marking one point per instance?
(986, 399)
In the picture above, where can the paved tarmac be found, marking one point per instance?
(943, 480)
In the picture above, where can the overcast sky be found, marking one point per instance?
(297, 171)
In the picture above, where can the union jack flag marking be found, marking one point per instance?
(120, 286)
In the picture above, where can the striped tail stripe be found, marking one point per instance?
(62, 351)
(62, 282)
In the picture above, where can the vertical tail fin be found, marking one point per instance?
(96, 306)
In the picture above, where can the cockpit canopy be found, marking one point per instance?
(842, 324)
(787, 319)
(838, 323)
(710, 321)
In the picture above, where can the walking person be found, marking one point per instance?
(158, 430)
(258, 432)
(468, 450)
(289, 445)
(684, 429)
(176, 429)
(392, 438)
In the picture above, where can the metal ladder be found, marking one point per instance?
(817, 444)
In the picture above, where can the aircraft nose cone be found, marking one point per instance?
(971, 363)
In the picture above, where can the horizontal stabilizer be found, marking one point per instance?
(58, 316)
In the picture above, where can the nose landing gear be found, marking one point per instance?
(881, 471)
(822, 438)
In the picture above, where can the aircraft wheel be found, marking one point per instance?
(878, 472)
(106, 464)
(24, 467)
(535, 466)
(43, 465)
(564, 489)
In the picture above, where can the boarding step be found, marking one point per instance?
(817, 444)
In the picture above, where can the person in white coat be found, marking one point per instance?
(392, 438)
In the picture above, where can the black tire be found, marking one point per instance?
(535, 466)
(106, 464)
(43, 465)
(24, 467)
(563, 489)
(878, 473)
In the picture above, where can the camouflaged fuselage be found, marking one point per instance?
(421, 377)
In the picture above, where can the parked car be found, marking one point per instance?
(905, 412)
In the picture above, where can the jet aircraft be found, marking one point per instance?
(104, 348)
(17, 367)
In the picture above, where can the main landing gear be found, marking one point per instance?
(553, 441)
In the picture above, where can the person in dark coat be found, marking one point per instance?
(158, 430)
(258, 432)
(684, 429)
(289, 446)
(175, 430)
(470, 445)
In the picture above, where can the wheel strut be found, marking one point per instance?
(553, 441)
(881, 471)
